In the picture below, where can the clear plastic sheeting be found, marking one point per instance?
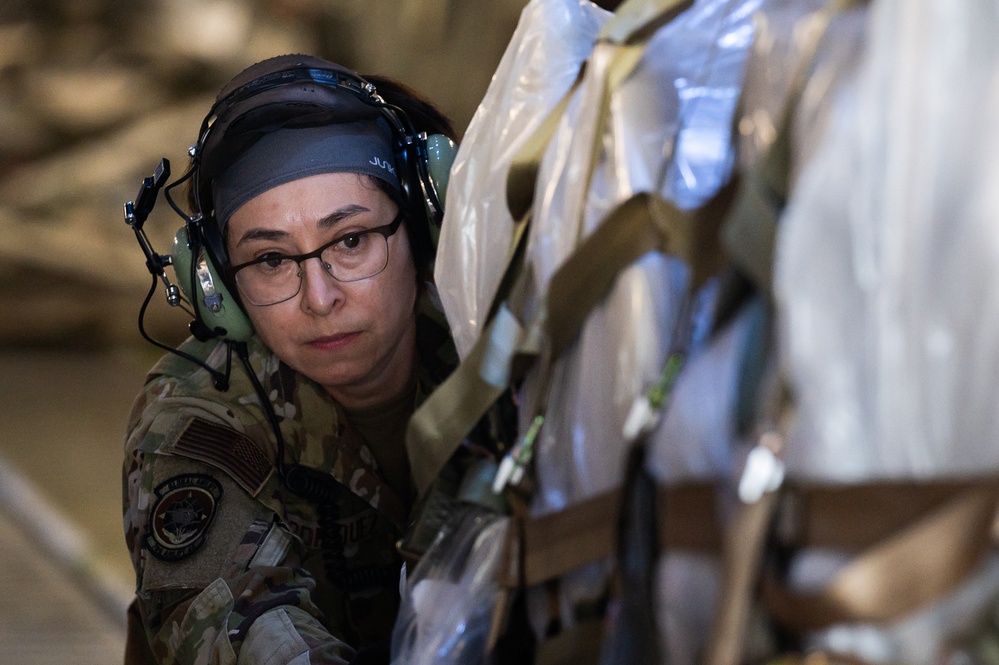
(552, 40)
(669, 132)
(696, 438)
(448, 601)
(621, 351)
(888, 256)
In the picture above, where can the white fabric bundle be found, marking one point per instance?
(886, 276)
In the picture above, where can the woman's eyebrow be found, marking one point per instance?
(340, 214)
(330, 220)
(262, 234)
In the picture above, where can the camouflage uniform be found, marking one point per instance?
(229, 562)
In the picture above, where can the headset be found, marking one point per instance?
(285, 91)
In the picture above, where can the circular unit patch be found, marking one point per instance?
(184, 509)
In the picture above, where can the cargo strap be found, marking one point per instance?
(749, 236)
(919, 540)
(934, 532)
(641, 224)
(522, 177)
(912, 567)
(585, 532)
(638, 20)
(838, 517)
(855, 517)
(744, 543)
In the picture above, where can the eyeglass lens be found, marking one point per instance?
(352, 258)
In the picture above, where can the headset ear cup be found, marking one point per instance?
(226, 319)
(441, 151)
(181, 255)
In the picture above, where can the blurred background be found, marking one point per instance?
(92, 94)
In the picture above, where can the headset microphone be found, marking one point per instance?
(136, 213)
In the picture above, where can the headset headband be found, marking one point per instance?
(306, 95)
(356, 86)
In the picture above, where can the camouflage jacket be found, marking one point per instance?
(229, 563)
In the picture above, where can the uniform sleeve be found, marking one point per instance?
(219, 577)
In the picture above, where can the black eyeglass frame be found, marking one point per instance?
(387, 230)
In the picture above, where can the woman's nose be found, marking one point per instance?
(320, 292)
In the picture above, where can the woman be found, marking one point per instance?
(263, 517)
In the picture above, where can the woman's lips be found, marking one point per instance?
(333, 342)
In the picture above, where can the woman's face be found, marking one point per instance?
(356, 339)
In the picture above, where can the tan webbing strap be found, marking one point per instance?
(643, 223)
(904, 573)
(689, 517)
(858, 516)
(639, 19)
(631, 26)
(559, 542)
(750, 232)
(743, 553)
(522, 178)
(586, 531)
(510, 565)
(619, 48)
(450, 412)
(748, 236)
(513, 284)
(585, 278)
(438, 427)
(611, 64)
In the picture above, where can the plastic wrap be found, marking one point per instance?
(885, 274)
(783, 33)
(552, 39)
(670, 132)
(696, 436)
(447, 602)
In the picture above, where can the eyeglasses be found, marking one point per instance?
(273, 278)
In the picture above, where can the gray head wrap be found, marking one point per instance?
(289, 154)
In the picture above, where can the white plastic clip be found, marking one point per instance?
(763, 473)
(641, 419)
